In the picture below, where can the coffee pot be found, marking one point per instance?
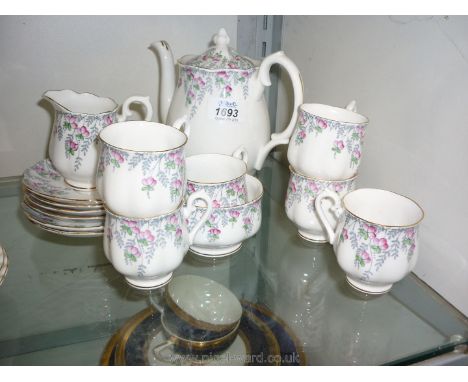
(222, 93)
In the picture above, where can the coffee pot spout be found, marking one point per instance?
(167, 76)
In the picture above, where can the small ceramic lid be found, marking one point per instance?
(221, 56)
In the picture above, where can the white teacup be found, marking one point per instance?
(221, 176)
(327, 141)
(147, 251)
(141, 170)
(376, 241)
(300, 203)
(79, 118)
(227, 227)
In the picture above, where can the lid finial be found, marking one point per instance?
(221, 39)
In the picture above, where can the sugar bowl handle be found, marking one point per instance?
(126, 112)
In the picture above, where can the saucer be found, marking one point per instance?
(292, 353)
(133, 344)
(3, 264)
(74, 206)
(42, 205)
(64, 232)
(43, 179)
(64, 223)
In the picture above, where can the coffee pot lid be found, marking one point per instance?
(221, 56)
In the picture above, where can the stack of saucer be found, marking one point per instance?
(3, 265)
(55, 206)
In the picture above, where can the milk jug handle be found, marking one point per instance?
(126, 112)
(336, 208)
(298, 90)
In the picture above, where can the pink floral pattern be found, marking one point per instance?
(300, 188)
(374, 245)
(164, 169)
(229, 194)
(142, 240)
(213, 59)
(199, 82)
(79, 132)
(225, 219)
(350, 136)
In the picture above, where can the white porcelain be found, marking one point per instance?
(206, 301)
(227, 227)
(327, 141)
(141, 170)
(79, 118)
(147, 251)
(221, 176)
(62, 224)
(222, 93)
(199, 314)
(40, 204)
(44, 180)
(300, 203)
(376, 240)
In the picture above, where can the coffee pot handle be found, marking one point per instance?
(298, 90)
(336, 208)
(191, 206)
(126, 112)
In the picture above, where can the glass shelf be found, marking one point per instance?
(62, 300)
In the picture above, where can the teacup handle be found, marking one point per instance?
(182, 121)
(159, 349)
(191, 206)
(336, 208)
(241, 153)
(126, 112)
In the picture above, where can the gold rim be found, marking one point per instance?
(53, 207)
(294, 171)
(197, 323)
(78, 188)
(128, 328)
(121, 217)
(37, 208)
(59, 199)
(114, 110)
(217, 183)
(239, 205)
(145, 151)
(274, 317)
(199, 345)
(301, 107)
(62, 232)
(107, 352)
(385, 225)
(54, 203)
